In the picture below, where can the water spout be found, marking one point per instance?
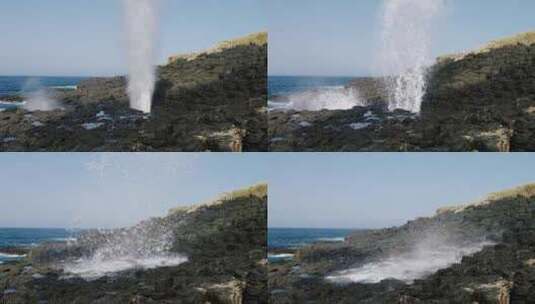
(405, 52)
(141, 23)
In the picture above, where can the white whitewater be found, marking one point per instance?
(136, 248)
(426, 258)
(327, 98)
(141, 24)
(99, 266)
(405, 54)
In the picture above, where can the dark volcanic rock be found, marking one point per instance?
(210, 101)
(225, 242)
(481, 101)
(502, 272)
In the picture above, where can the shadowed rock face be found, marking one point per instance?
(480, 101)
(215, 101)
(224, 241)
(500, 272)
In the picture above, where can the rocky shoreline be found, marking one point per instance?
(500, 272)
(225, 245)
(478, 101)
(213, 101)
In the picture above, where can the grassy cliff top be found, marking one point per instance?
(260, 38)
(525, 191)
(255, 38)
(527, 38)
(257, 191)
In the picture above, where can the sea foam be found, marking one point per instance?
(144, 246)
(99, 266)
(418, 263)
(325, 98)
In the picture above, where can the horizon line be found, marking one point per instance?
(316, 75)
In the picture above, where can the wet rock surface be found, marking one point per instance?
(481, 101)
(501, 272)
(215, 101)
(225, 242)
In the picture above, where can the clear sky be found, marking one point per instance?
(317, 37)
(71, 190)
(338, 190)
(83, 38)
(360, 190)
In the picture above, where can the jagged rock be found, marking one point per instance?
(501, 272)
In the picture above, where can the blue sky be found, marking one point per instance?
(74, 190)
(82, 38)
(336, 190)
(317, 37)
(361, 190)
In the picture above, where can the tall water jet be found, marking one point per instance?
(406, 49)
(141, 23)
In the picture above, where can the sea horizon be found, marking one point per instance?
(319, 228)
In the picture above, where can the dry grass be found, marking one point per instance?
(258, 191)
(255, 39)
(525, 191)
(527, 38)
(252, 39)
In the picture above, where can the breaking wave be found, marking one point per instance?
(327, 98)
(11, 256)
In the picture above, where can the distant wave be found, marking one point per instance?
(280, 257)
(11, 256)
(64, 239)
(333, 239)
(65, 87)
(278, 105)
(12, 104)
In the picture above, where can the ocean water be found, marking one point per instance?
(285, 85)
(292, 238)
(280, 238)
(15, 85)
(311, 93)
(28, 237)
